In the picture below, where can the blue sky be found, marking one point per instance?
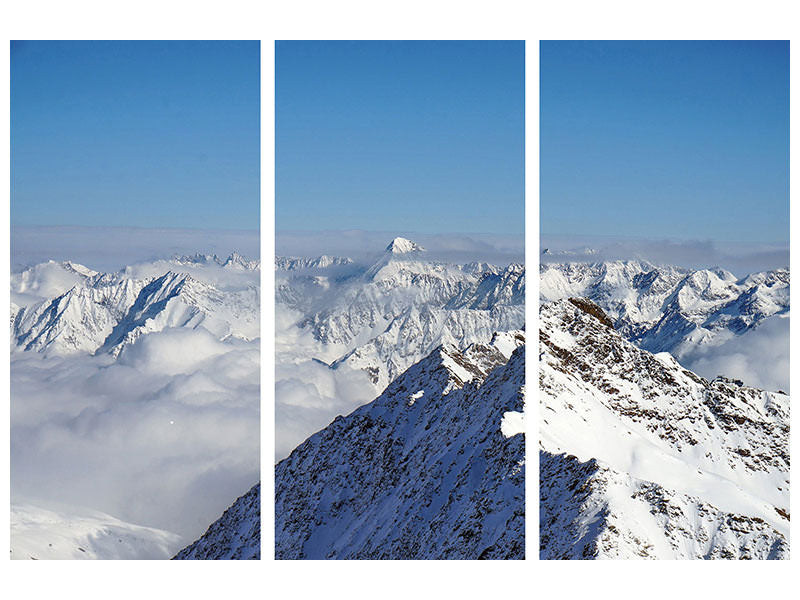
(676, 140)
(412, 136)
(145, 134)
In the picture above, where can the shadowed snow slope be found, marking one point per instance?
(235, 535)
(643, 458)
(432, 468)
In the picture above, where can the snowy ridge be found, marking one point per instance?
(294, 263)
(423, 471)
(236, 535)
(643, 458)
(401, 245)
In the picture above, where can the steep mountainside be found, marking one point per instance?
(236, 535)
(640, 457)
(432, 468)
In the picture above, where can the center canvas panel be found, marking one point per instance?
(399, 300)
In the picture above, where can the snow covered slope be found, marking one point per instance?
(643, 458)
(432, 468)
(42, 534)
(236, 535)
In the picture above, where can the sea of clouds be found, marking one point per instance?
(758, 357)
(740, 259)
(111, 248)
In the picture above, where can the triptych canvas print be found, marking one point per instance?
(404, 426)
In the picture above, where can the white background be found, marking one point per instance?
(411, 19)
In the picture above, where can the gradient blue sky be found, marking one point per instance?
(415, 136)
(145, 134)
(678, 140)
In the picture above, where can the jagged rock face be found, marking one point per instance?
(432, 468)
(643, 458)
(670, 309)
(236, 535)
(391, 314)
(105, 312)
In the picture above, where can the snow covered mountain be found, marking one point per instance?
(432, 468)
(236, 535)
(641, 458)
(105, 312)
(369, 322)
(693, 315)
(662, 308)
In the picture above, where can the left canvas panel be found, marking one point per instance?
(135, 293)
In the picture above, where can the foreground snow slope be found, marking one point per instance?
(641, 457)
(432, 468)
(236, 535)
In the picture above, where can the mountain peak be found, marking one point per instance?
(401, 245)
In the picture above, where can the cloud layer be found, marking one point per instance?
(309, 394)
(111, 248)
(167, 436)
(739, 258)
(759, 357)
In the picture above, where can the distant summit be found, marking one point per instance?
(401, 245)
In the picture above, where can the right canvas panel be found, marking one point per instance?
(664, 300)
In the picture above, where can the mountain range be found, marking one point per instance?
(668, 308)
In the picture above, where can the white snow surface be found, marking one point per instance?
(401, 245)
(666, 464)
(79, 534)
(134, 400)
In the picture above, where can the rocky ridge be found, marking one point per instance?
(432, 468)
